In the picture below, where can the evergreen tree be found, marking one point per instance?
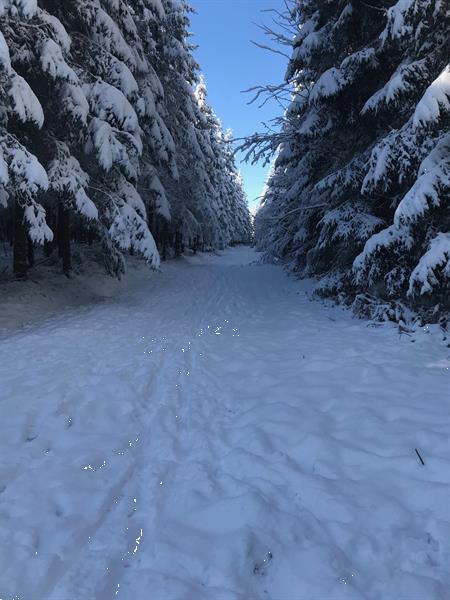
(22, 176)
(200, 207)
(107, 45)
(410, 163)
(358, 191)
(191, 193)
(240, 228)
(99, 111)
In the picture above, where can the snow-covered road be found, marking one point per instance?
(209, 433)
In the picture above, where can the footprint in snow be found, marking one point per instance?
(260, 568)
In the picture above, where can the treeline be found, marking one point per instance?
(359, 193)
(106, 135)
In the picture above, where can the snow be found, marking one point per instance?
(436, 258)
(38, 230)
(53, 63)
(108, 144)
(347, 223)
(66, 177)
(74, 102)
(328, 84)
(108, 35)
(366, 56)
(146, 105)
(158, 7)
(427, 191)
(386, 238)
(434, 101)
(27, 8)
(28, 173)
(129, 230)
(61, 35)
(111, 105)
(114, 133)
(85, 206)
(5, 59)
(4, 175)
(4, 196)
(210, 433)
(28, 178)
(163, 137)
(163, 205)
(399, 82)
(121, 77)
(379, 161)
(396, 20)
(128, 193)
(25, 103)
(310, 123)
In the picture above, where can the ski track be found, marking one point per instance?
(161, 444)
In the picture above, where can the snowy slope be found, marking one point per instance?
(212, 434)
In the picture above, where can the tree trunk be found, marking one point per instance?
(165, 242)
(178, 243)
(10, 226)
(64, 239)
(20, 247)
(30, 253)
(91, 236)
(48, 246)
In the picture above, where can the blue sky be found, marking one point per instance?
(231, 63)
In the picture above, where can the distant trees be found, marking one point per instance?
(360, 189)
(104, 134)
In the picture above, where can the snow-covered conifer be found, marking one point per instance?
(359, 191)
(22, 176)
(101, 111)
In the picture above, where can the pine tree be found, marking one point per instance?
(410, 163)
(358, 189)
(199, 202)
(107, 42)
(189, 194)
(240, 222)
(159, 156)
(100, 112)
(22, 176)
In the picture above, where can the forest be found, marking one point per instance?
(358, 195)
(224, 299)
(107, 136)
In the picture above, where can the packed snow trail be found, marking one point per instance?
(212, 434)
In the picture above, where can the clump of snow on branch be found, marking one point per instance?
(433, 265)
(435, 101)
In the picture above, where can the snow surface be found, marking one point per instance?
(208, 432)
